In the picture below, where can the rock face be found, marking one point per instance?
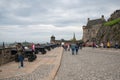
(110, 33)
(115, 15)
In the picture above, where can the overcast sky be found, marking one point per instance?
(38, 20)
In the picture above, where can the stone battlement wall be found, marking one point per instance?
(6, 56)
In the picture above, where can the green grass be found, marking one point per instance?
(113, 22)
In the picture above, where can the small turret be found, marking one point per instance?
(102, 17)
(74, 38)
(52, 39)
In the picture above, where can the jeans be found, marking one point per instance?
(76, 50)
(21, 58)
(73, 51)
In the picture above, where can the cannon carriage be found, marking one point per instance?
(43, 47)
(47, 47)
(53, 46)
(50, 46)
(40, 48)
(28, 53)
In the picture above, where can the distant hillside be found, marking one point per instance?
(110, 31)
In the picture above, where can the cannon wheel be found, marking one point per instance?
(32, 58)
(36, 51)
(43, 52)
(49, 49)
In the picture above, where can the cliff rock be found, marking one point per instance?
(110, 32)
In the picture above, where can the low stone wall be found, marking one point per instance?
(5, 56)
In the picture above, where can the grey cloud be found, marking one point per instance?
(44, 12)
(54, 13)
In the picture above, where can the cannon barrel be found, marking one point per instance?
(40, 49)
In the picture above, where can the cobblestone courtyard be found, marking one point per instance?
(90, 64)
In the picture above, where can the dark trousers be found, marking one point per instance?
(21, 58)
(73, 51)
(77, 51)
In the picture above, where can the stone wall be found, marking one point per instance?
(5, 56)
(90, 33)
(91, 29)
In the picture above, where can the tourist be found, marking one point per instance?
(80, 45)
(101, 45)
(94, 45)
(116, 45)
(108, 44)
(33, 47)
(65, 46)
(20, 49)
(68, 48)
(105, 44)
(73, 48)
(62, 44)
(76, 48)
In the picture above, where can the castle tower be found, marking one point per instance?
(74, 38)
(52, 39)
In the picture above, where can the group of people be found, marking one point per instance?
(74, 47)
(105, 45)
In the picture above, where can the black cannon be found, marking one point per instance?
(30, 55)
(41, 49)
(26, 53)
(47, 46)
(53, 46)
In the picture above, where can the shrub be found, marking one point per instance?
(113, 22)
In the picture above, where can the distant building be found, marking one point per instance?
(73, 40)
(91, 29)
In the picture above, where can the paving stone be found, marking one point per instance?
(90, 64)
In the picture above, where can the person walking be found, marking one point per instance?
(20, 49)
(33, 47)
(76, 48)
(80, 45)
(73, 48)
(68, 47)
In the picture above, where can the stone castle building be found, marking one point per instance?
(73, 40)
(91, 29)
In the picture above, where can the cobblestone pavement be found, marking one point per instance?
(43, 68)
(90, 64)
